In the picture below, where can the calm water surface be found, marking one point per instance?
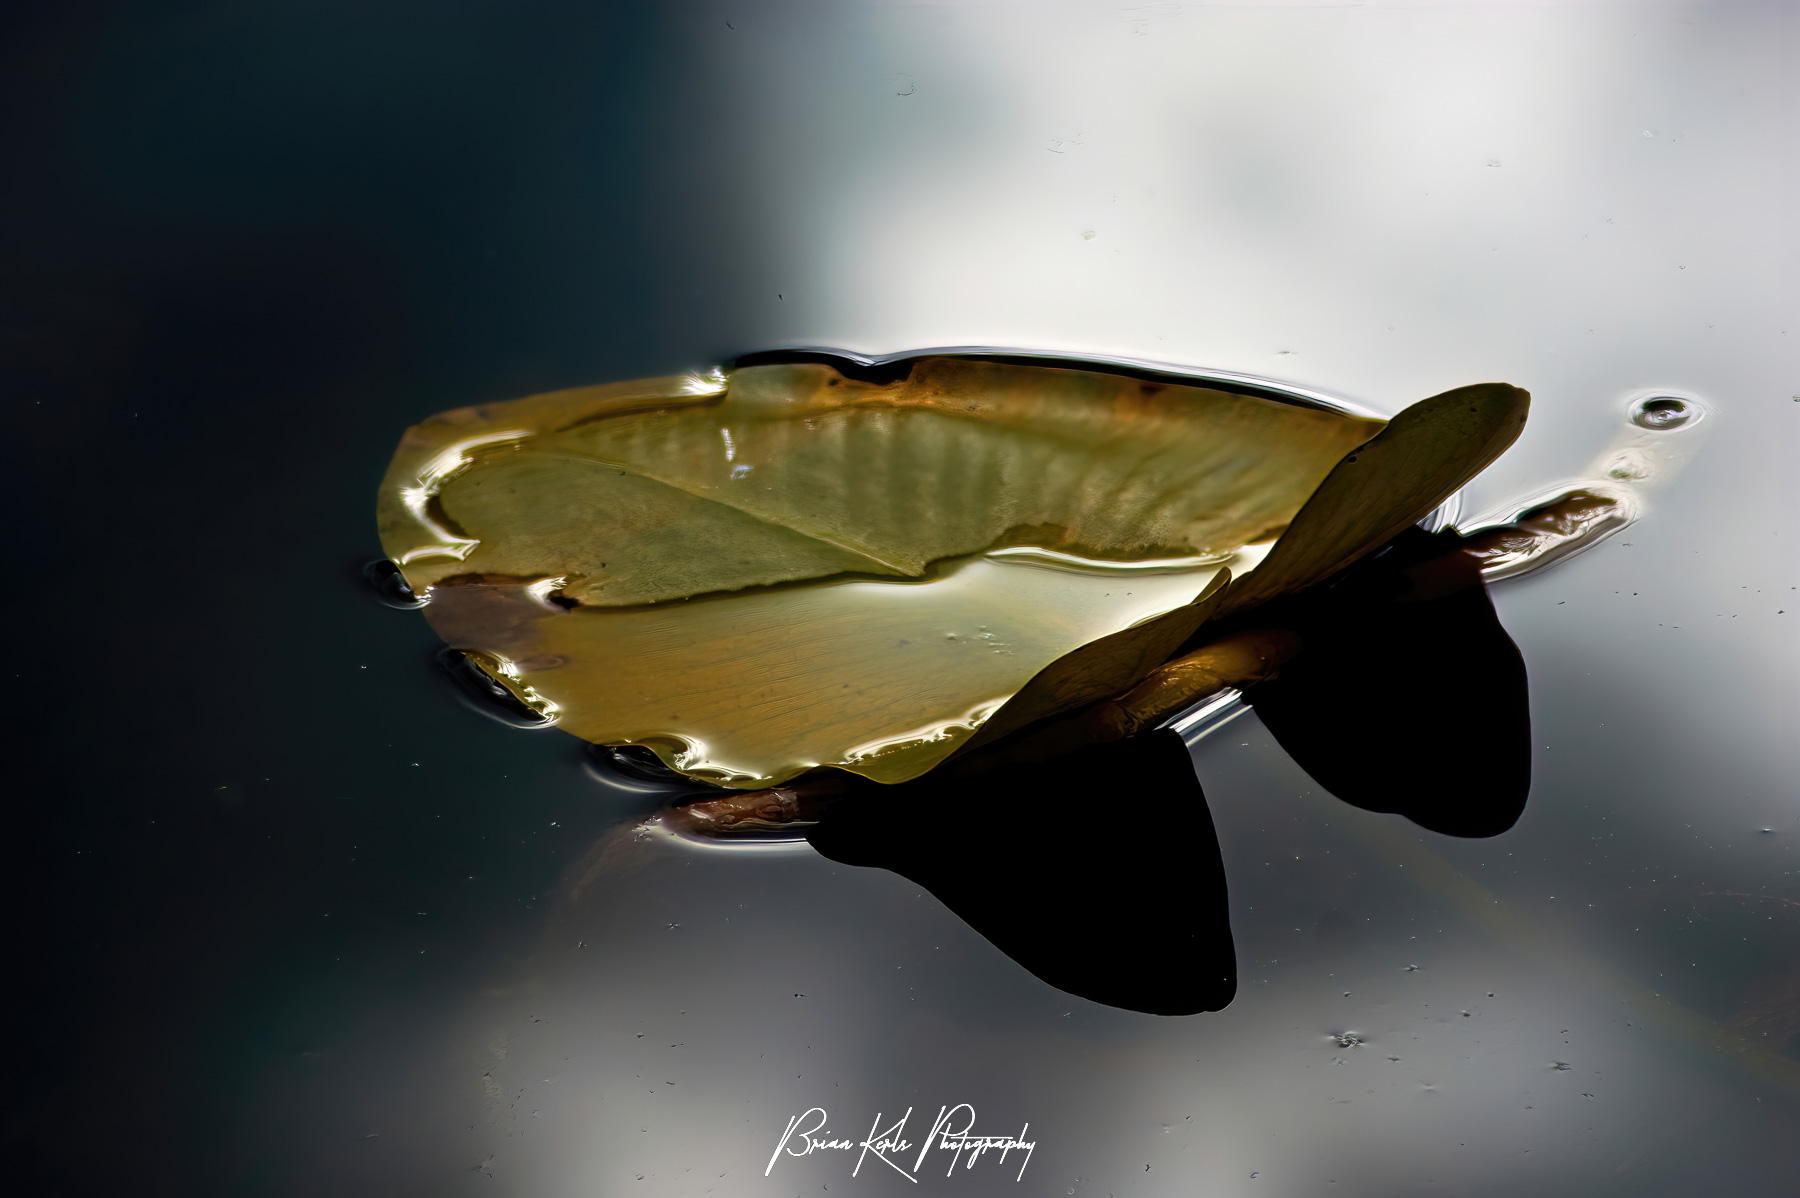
(302, 924)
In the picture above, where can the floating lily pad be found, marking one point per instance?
(783, 568)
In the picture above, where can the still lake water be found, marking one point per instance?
(309, 926)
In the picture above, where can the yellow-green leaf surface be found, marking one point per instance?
(795, 472)
(883, 678)
(789, 568)
(1102, 668)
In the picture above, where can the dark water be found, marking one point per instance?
(255, 836)
(294, 920)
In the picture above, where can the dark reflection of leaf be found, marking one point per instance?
(1408, 695)
(1405, 696)
(1135, 919)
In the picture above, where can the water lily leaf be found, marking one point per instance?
(788, 568)
(1424, 455)
(795, 472)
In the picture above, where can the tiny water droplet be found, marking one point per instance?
(390, 586)
(481, 692)
(1661, 413)
(636, 763)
